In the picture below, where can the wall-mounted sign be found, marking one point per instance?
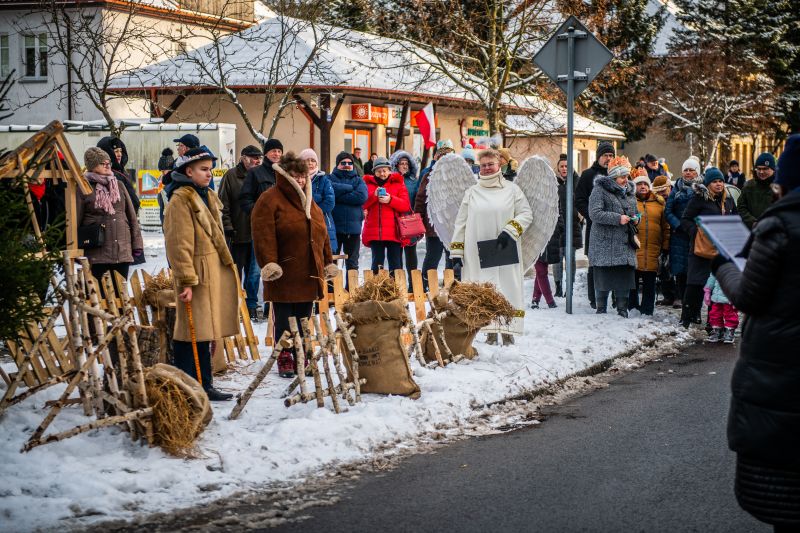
(369, 113)
(477, 127)
(149, 182)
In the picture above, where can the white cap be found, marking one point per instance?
(643, 179)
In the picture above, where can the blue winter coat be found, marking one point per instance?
(679, 242)
(351, 193)
(717, 294)
(411, 177)
(322, 190)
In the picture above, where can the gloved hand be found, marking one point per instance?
(457, 266)
(707, 297)
(138, 256)
(717, 262)
(503, 240)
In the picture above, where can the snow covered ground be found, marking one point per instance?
(102, 475)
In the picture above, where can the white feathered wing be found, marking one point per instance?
(538, 182)
(449, 180)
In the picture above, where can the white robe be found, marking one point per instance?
(488, 208)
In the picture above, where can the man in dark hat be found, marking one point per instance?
(185, 143)
(236, 223)
(261, 177)
(734, 176)
(654, 168)
(605, 152)
(757, 194)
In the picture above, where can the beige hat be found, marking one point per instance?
(94, 156)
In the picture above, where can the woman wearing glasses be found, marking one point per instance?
(348, 214)
(107, 211)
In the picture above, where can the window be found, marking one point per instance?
(5, 57)
(35, 55)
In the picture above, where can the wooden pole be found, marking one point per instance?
(241, 402)
(104, 422)
(299, 351)
(314, 362)
(331, 345)
(351, 348)
(301, 398)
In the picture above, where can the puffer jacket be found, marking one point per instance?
(324, 197)
(609, 245)
(764, 419)
(756, 197)
(351, 193)
(234, 220)
(653, 232)
(717, 294)
(381, 223)
(582, 192)
(678, 199)
(702, 203)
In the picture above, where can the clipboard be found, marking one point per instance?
(490, 256)
(729, 235)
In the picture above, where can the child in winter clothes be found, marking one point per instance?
(721, 314)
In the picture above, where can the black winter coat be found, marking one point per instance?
(577, 227)
(764, 420)
(582, 193)
(235, 221)
(259, 179)
(701, 204)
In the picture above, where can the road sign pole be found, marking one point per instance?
(570, 251)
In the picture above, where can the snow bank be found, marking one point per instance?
(102, 475)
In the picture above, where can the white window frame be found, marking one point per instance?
(38, 47)
(5, 67)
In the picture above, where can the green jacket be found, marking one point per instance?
(755, 199)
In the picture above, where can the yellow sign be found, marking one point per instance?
(149, 181)
(148, 202)
(219, 172)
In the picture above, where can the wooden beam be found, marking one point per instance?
(173, 107)
(401, 131)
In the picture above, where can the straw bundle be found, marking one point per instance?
(379, 289)
(159, 282)
(479, 304)
(180, 410)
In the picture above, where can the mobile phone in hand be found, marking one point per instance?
(381, 191)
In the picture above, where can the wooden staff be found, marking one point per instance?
(193, 335)
(245, 397)
(351, 348)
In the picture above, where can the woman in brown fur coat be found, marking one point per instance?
(292, 249)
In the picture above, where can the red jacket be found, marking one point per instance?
(381, 224)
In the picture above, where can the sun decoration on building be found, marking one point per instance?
(362, 111)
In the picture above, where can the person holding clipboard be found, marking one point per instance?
(764, 418)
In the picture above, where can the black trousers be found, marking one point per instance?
(590, 285)
(692, 303)
(647, 282)
(680, 286)
(98, 269)
(412, 263)
(283, 311)
(434, 249)
(183, 358)
(350, 245)
(383, 249)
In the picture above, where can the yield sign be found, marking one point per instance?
(590, 56)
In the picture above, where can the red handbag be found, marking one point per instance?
(410, 226)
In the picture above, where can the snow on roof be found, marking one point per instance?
(547, 118)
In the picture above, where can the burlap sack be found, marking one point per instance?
(458, 336)
(200, 407)
(382, 357)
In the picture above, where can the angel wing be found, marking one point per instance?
(538, 182)
(449, 180)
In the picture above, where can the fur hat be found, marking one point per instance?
(691, 163)
(381, 162)
(766, 160)
(308, 153)
(604, 147)
(643, 179)
(788, 175)
(712, 174)
(619, 166)
(661, 183)
(94, 156)
(272, 144)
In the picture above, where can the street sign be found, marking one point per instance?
(591, 56)
(572, 58)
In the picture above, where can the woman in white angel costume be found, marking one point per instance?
(522, 213)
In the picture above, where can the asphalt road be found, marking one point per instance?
(646, 454)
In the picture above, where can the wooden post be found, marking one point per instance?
(331, 347)
(401, 131)
(433, 282)
(351, 348)
(75, 325)
(313, 358)
(419, 295)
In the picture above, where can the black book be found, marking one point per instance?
(490, 256)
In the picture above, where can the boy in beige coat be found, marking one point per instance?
(202, 267)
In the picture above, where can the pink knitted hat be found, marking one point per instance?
(308, 153)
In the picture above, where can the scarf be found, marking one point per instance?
(106, 191)
(182, 180)
(492, 181)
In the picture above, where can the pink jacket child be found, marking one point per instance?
(723, 316)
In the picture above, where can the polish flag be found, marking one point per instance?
(427, 125)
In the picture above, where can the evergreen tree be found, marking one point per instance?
(353, 14)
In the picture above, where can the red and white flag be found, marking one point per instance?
(427, 125)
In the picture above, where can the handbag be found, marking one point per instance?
(633, 236)
(410, 226)
(91, 236)
(703, 247)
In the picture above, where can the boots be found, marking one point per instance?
(727, 337)
(508, 339)
(559, 291)
(715, 335)
(216, 396)
(286, 364)
(491, 339)
(534, 304)
(622, 307)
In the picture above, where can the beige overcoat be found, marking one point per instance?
(200, 259)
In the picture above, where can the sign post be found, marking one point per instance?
(574, 49)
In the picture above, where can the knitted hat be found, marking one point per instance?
(380, 163)
(94, 156)
(642, 179)
(661, 183)
(712, 174)
(562, 157)
(166, 161)
(766, 160)
(691, 163)
(619, 166)
(251, 151)
(188, 140)
(605, 147)
(344, 155)
(193, 156)
(272, 144)
(468, 153)
(788, 175)
(308, 153)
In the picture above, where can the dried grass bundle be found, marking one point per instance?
(156, 284)
(480, 304)
(379, 289)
